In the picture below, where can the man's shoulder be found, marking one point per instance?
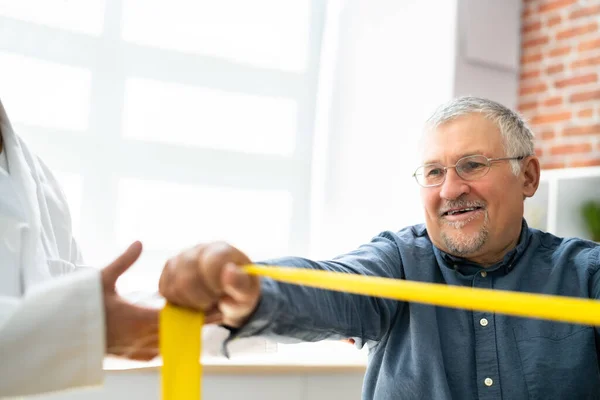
(552, 241)
(585, 252)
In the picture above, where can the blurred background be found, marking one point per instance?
(284, 127)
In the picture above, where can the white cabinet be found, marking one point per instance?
(556, 207)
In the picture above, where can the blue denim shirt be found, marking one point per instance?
(420, 351)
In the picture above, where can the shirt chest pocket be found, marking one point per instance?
(559, 361)
(59, 267)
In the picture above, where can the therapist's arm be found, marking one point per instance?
(56, 336)
(131, 331)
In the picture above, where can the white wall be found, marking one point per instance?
(488, 48)
(395, 64)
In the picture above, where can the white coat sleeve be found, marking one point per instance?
(53, 338)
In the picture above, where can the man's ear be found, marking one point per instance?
(531, 175)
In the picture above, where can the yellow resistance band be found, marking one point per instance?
(557, 308)
(180, 329)
(181, 348)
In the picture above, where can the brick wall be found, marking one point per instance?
(559, 90)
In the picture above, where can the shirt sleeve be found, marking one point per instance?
(595, 284)
(53, 338)
(300, 313)
(594, 264)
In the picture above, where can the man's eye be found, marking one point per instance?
(434, 172)
(472, 165)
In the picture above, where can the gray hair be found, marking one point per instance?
(517, 136)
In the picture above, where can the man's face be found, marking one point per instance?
(493, 204)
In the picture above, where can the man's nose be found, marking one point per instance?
(454, 186)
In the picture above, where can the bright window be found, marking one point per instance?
(264, 33)
(217, 119)
(45, 94)
(78, 16)
(171, 122)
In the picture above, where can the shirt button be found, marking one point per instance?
(483, 274)
(483, 322)
(488, 381)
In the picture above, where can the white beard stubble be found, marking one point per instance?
(462, 244)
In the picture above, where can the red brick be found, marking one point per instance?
(585, 96)
(570, 149)
(531, 58)
(586, 62)
(589, 45)
(547, 135)
(535, 26)
(534, 88)
(551, 118)
(555, 20)
(527, 106)
(559, 80)
(588, 112)
(553, 101)
(534, 73)
(555, 5)
(585, 12)
(586, 163)
(554, 69)
(559, 51)
(582, 130)
(577, 31)
(538, 41)
(577, 80)
(555, 165)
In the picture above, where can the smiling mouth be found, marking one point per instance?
(461, 211)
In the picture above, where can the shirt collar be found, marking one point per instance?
(466, 267)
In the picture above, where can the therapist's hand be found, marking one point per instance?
(208, 278)
(131, 331)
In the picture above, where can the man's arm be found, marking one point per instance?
(208, 278)
(594, 263)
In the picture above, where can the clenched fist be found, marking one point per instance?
(208, 278)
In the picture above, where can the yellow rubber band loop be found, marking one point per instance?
(181, 349)
(558, 308)
(180, 330)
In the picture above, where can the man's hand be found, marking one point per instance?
(131, 331)
(208, 278)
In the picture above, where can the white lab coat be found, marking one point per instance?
(52, 333)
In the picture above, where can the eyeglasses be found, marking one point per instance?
(468, 168)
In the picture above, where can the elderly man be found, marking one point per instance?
(57, 319)
(478, 168)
